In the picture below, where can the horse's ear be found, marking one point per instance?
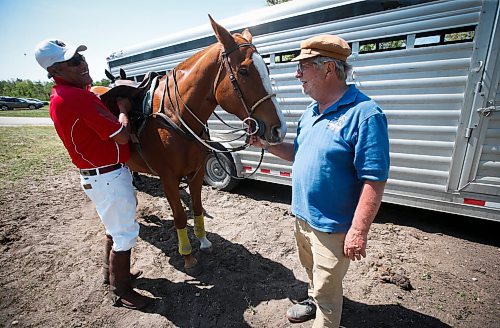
(246, 34)
(222, 35)
(123, 75)
(109, 75)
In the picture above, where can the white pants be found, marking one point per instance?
(114, 198)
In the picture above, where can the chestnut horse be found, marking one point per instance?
(229, 73)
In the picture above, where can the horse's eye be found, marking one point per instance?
(243, 71)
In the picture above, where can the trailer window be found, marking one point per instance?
(426, 39)
(458, 35)
(379, 45)
(267, 59)
(285, 57)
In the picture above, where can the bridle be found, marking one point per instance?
(225, 63)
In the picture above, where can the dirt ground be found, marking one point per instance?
(424, 269)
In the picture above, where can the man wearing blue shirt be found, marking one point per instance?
(340, 167)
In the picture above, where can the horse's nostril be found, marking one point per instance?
(276, 130)
(276, 133)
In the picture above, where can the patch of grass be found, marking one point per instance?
(30, 152)
(425, 276)
(42, 112)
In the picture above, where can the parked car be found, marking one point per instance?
(9, 103)
(38, 102)
(45, 103)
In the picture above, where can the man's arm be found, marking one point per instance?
(123, 136)
(283, 150)
(368, 205)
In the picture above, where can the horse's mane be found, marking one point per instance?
(196, 57)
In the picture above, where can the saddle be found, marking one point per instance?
(140, 95)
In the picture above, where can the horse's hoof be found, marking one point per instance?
(195, 270)
(207, 250)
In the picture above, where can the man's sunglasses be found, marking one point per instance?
(76, 60)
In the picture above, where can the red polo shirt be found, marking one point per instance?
(86, 127)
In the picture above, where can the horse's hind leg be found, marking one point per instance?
(195, 184)
(171, 189)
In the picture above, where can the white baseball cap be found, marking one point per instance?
(51, 51)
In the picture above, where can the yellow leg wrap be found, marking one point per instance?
(184, 244)
(199, 226)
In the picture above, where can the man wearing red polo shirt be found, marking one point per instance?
(97, 143)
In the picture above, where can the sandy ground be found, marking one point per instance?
(423, 269)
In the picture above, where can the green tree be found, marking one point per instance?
(26, 89)
(30, 89)
(459, 36)
(275, 2)
(103, 82)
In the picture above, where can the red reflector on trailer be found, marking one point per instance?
(267, 171)
(247, 168)
(285, 174)
(471, 201)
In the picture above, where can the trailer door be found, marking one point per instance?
(480, 178)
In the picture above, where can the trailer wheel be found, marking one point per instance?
(215, 175)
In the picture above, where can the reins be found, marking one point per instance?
(177, 97)
(177, 112)
(174, 104)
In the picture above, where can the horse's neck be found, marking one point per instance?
(191, 85)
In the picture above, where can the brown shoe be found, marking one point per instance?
(108, 244)
(122, 293)
(302, 311)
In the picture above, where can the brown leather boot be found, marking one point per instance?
(122, 293)
(108, 244)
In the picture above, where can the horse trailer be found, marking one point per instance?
(432, 65)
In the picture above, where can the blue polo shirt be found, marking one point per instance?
(334, 153)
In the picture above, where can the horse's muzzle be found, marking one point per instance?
(275, 136)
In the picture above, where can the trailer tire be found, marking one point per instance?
(215, 175)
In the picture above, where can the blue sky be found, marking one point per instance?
(104, 26)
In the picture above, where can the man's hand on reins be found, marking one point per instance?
(124, 105)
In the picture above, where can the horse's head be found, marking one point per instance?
(243, 86)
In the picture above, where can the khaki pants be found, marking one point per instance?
(322, 255)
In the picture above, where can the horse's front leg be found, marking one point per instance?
(180, 221)
(195, 183)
